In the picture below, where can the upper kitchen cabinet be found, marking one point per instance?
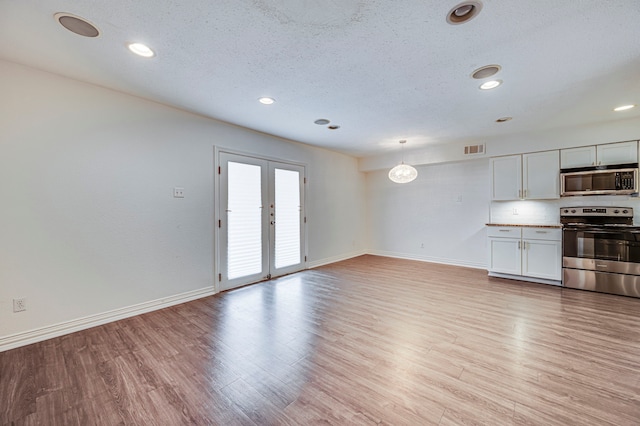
(600, 155)
(541, 175)
(617, 153)
(532, 176)
(583, 156)
(506, 177)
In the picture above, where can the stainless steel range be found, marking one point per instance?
(601, 250)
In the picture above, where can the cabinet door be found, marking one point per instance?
(617, 153)
(584, 156)
(506, 177)
(542, 259)
(504, 255)
(541, 175)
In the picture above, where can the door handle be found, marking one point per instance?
(273, 222)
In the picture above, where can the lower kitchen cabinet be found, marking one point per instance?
(526, 253)
(542, 259)
(505, 256)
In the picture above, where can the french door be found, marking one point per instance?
(261, 219)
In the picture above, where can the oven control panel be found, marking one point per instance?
(596, 211)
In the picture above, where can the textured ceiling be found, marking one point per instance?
(383, 70)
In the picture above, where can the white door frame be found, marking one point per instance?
(217, 217)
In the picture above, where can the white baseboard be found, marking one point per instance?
(524, 278)
(453, 262)
(43, 333)
(335, 259)
(39, 334)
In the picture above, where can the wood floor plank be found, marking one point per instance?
(255, 405)
(366, 341)
(18, 382)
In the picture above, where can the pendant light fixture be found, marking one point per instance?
(403, 173)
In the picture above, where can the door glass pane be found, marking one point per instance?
(244, 215)
(287, 211)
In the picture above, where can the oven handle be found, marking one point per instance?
(601, 231)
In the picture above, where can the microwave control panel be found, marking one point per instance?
(624, 180)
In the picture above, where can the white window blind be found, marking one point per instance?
(287, 217)
(244, 217)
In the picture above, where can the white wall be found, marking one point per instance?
(88, 223)
(445, 208)
(624, 129)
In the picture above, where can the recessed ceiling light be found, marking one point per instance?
(464, 12)
(623, 108)
(333, 127)
(77, 25)
(141, 50)
(491, 84)
(266, 101)
(503, 119)
(485, 72)
(322, 121)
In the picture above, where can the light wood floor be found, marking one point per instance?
(367, 341)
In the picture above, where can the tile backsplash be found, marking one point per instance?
(547, 212)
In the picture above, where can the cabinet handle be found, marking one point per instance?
(525, 194)
(519, 193)
(519, 244)
(505, 230)
(541, 232)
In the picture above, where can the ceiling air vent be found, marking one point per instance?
(474, 149)
(77, 25)
(486, 71)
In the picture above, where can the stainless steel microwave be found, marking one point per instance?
(609, 180)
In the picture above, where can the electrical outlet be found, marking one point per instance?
(422, 245)
(19, 305)
(515, 211)
(178, 192)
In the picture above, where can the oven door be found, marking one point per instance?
(604, 249)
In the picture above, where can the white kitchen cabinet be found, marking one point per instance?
(506, 177)
(526, 252)
(541, 175)
(542, 253)
(505, 255)
(617, 153)
(599, 155)
(532, 176)
(505, 243)
(584, 156)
